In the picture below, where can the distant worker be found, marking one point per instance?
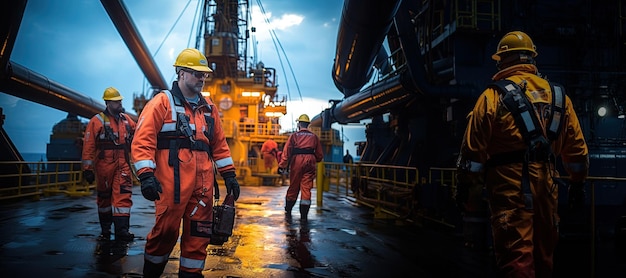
(269, 151)
(178, 142)
(348, 158)
(519, 126)
(106, 159)
(300, 155)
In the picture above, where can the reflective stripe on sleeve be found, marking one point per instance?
(224, 162)
(169, 127)
(145, 163)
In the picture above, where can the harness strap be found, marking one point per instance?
(302, 151)
(210, 122)
(111, 146)
(173, 161)
(516, 157)
(183, 143)
(516, 102)
(107, 141)
(522, 110)
(557, 118)
(180, 138)
(528, 194)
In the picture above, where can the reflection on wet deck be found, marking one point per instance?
(56, 237)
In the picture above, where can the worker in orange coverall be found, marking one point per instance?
(516, 158)
(269, 151)
(300, 155)
(178, 148)
(106, 151)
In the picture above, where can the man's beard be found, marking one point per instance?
(196, 88)
(116, 111)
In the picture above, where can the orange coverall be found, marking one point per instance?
(269, 149)
(302, 167)
(524, 239)
(155, 130)
(107, 159)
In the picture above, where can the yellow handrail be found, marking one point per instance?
(34, 179)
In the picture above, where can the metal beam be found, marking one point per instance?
(126, 27)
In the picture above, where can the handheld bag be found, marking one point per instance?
(223, 220)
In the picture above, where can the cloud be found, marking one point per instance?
(351, 133)
(264, 23)
(310, 106)
(286, 21)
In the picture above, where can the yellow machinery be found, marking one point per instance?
(245, 95)
(250, 109)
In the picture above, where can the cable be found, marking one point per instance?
(275, 40)
(167, 35)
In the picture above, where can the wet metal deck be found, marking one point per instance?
(56, 237)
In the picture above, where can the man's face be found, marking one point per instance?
(115, 106)
(194, 80)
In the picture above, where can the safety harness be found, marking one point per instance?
(538, 146)
(296, 151)
(179, 135)
(107, 140)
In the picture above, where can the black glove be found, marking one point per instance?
(576, 195)
(89, 176)
(232, 185)
(150, 186)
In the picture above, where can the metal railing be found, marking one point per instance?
(36, 179)
(439, 190)
(388, 189)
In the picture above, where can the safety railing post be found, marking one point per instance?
(319, 181)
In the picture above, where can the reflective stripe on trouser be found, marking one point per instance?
(114, 192)
(301, 178)
(196, 229)
(524, 240)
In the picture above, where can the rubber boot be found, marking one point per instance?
(106, 219)
(152, 270)
(184, 274)
(288, 206)
(121, 228)
(304, 212)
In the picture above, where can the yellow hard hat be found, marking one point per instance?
(111, 93)
(193, 59)
(515, 41)
(304, 118)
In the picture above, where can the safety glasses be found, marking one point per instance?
(197, 74)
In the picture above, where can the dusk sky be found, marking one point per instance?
(74, 43)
